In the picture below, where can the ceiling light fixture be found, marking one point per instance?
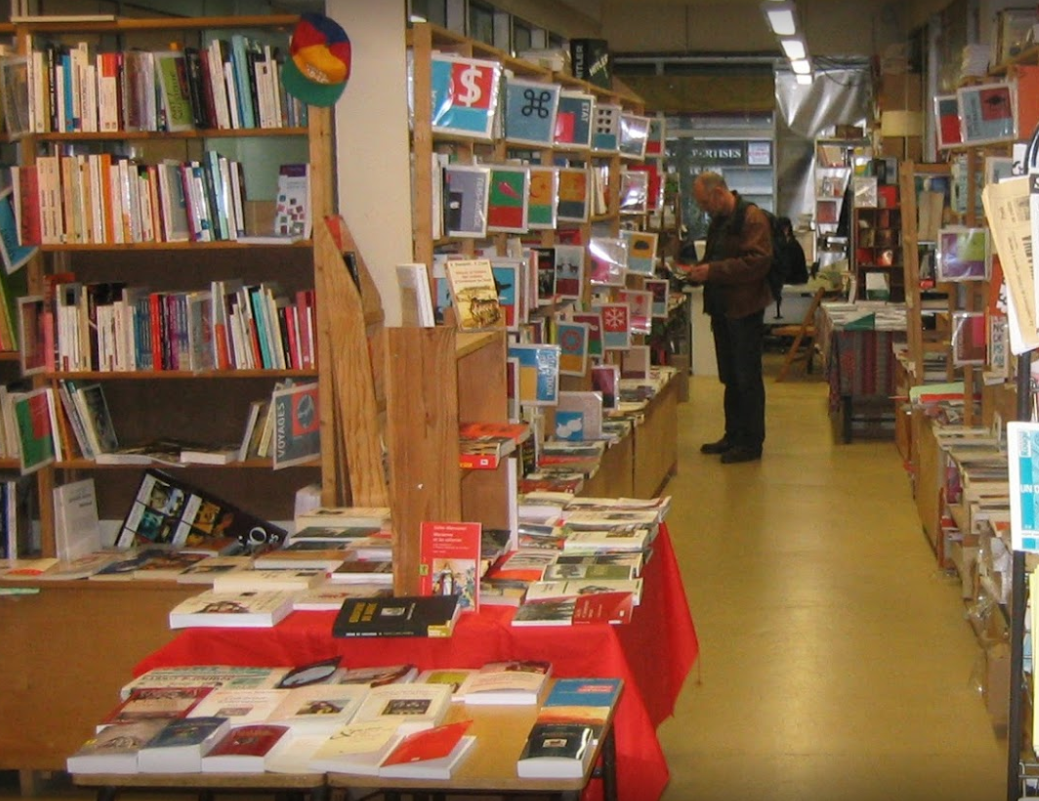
(780, 16)
(793, 48)
(800, 66)
(804, 80)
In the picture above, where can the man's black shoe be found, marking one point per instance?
(721, 446)
(738, 454)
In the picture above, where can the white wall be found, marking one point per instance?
(372, 148)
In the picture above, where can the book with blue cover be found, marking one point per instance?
(530, 111)
(574, 120)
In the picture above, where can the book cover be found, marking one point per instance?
(510, 682)
(114, 749)
(172, 78)
(230, 676)
(604, 607)
(507, 199)
(242, 750)
(572, 200)
(508, 282)
(181, 744)
(988, 113)
(530, 111)
(634, 135)
(608, 260)
(542, 192)
(357, 747)
(377, 676)
(37, 446)
(569, 272)
(555, 750)
(330, 597)
(405, 616)
(240, 706)
(416, 302)
(319, 707)
(538, 373)
(297, 425)
(430, 754)
(363, 571)
(465, 95)
(146, 703)
(642, 252)
(466, 196)
(292, 214)
(593, 319)
(246, 609)
(77, 530)
(964, 254)
(574, 120)
(606, 122)
(590, 61)
(545, 613)
(449, 561)
(579, 416)
(474, 294)
(411, 706)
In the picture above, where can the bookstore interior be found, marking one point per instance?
(386, 482)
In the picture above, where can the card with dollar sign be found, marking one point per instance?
(465, 95)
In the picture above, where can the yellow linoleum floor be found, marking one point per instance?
(835, 659)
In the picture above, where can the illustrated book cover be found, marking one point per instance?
(530, 111)
(115, 748)
(573, 194)
(181, 744)
(542, 197)
(146, 703)
(538, 373)
(244, 749)
(246, 609)
(574, 120)
(509, 682)
(449, 561)
(466, 196)
(474, 294)
(964, 254)
(508, 199)
(572, 338)
(297, 425)
(412, 706)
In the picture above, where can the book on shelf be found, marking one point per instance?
(180, 745)
(297, 426)
(474, 295)
(147, 703)
(432, 754)
(292, 213)
(244, 749)
(77, 529)
(449, 561)
(511, 682)
(115, 748)
(32, 416)
(416, 302)
(405, 616)
(246, 609)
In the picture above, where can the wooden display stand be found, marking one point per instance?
(656, 444)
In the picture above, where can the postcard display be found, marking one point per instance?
(549, 172)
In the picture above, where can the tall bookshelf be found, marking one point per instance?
(109, 626)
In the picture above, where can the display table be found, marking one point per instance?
(652, 655)
(860, 365)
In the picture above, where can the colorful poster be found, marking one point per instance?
(572, 339)
(573, 195)
(574, 120)
(542, 196)
(537, 373)
(530, 111)
(508, 199)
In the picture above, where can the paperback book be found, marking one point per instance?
(247, 609)
(405, 616)
(449, 561)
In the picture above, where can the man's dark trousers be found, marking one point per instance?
(738, 346)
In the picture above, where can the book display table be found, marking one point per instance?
(652, 655)
(109, 785)
(860, 367)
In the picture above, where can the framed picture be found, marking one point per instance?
(988, 113)
(947, 121)
(964, 254)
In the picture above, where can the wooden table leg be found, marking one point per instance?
(609, 767)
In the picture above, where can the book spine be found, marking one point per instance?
(196, 87)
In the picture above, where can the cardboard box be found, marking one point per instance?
(901, 92)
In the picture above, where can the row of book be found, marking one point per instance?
(228, 84)
(388, 721)
(115, 327)
(101, 198)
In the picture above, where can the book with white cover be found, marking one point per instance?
(330, 597)
(317, 708)
(216, 676)
(247, 609)
(240, 706)
(416, 302)
(572, 588)
(626, 539)
(206, 571)
(114, 749)
(77, 531)
(344, 516)
(294, 755)
(411, 706)
(358, 747)
(268, 580)
(376, 676)
(511, 682)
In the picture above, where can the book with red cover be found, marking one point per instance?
(604, 607)
(422, 746)
(242, 750)
(145, 703)
(449, 561)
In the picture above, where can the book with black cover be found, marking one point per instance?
(406, 616)
(555, 750)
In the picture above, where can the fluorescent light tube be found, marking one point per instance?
(780, 18)
(793, 48)
(800, 66)
(804, 80)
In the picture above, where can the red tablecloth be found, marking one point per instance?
(652, 655)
